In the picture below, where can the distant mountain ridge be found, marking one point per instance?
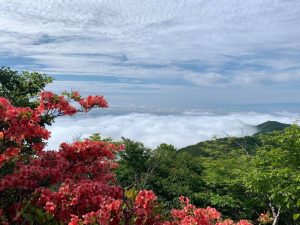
(222, 147)
(271, 126)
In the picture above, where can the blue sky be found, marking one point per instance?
(181, 54)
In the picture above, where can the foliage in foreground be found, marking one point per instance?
(242, 177)
(247, 177)
(74, 185)
(21, 89)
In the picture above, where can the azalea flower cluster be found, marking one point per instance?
(19, 128)
(23, 128)
(74, 185)
(189, 214)
(58, 105)
(121, 211)
(143, 211)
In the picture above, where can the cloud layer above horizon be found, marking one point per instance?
(203, 43)
(151, 129)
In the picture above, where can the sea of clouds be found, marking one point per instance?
(180, 129)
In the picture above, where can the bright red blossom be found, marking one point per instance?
(50, 207)
(92, 101)
(190, 214)
(50, 102)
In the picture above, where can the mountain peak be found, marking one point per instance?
(270, 126)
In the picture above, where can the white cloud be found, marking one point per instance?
(247, 78)
(206, 79)
(133, 38)
(253, 78)
(179, 130)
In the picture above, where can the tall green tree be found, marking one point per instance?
(274, 173)
(22, 88)
(163, 170)
(176, 174)
(225, 189)
(133, 164)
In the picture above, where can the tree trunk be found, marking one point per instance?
(275, 214)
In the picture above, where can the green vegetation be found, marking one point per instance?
(242, 177)
(271, 126)
(274, 171)
(163, 170)
(219, 148)
(22, 88)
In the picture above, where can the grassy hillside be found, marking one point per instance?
(223, 147)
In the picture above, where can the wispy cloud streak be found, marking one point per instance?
(224, 43)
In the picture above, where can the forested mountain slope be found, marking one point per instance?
(221, 147)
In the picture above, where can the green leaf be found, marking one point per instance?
(296, 216)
